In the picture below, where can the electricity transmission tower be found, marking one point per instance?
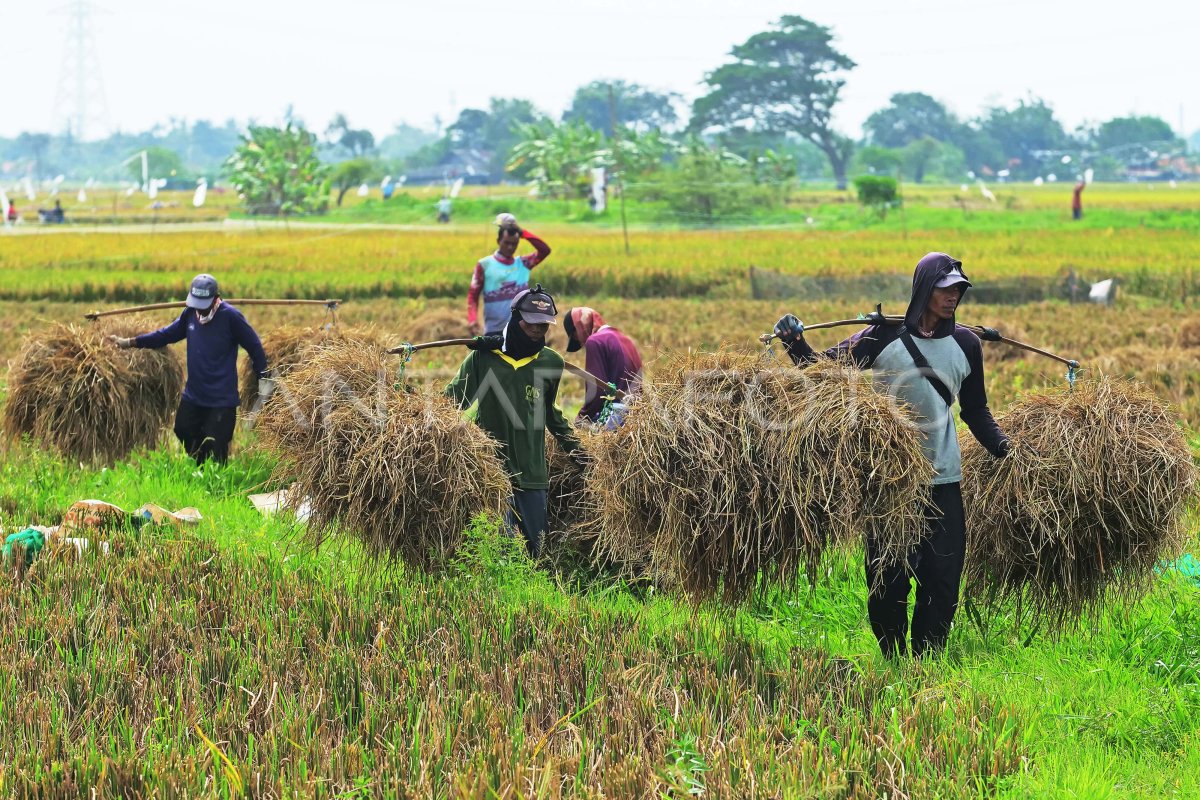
(80, 105)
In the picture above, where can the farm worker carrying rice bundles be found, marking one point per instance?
(610, 355)
(502, 276)
(514, 378)
(924, 362)
(214, 330)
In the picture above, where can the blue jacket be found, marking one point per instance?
(212, 379)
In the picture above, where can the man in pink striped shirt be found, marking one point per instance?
(501, 276)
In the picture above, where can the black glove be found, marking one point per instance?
(789, 329)
(492, 342)
(582, 458)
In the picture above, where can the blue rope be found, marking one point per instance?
(1072, 370)
(405, 351)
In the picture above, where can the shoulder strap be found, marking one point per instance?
(923, 367)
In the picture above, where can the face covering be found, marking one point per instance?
(516, 344)
(207, 318)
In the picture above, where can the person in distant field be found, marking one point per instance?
(502, 276)
(12, 215)
(443, 208)
(214, 330)
(514, 379)
(610, 355)
(59, 214)
(1077, 200)
(926, 363)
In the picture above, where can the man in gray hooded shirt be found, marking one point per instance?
(926, 362)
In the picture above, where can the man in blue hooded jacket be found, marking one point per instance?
(214, 330)
(925, 362)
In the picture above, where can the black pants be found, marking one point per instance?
(937, 565)
(527, 511)
(205, 432)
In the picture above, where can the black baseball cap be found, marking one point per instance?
(536, 306)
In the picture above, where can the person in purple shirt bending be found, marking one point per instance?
(609, 355)
(214, 330)
(926, 363)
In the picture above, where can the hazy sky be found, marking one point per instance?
(387, 62)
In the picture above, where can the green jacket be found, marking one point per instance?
(517, 402)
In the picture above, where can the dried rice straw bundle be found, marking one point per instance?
(728, 467)
(404, 472)
(78, 394)
(569, 501)
(288, 346)
(1093, 494)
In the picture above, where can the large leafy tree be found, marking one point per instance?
(1123, 131)
(556, 156)
(277, 171)
(494, 131)
(784, 80)
(351, 174)
(1022, 131)
(636, 107)
(357, 141)
(909, 117)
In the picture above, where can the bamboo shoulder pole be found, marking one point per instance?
(579, 372)
(244, 301)
(987, 334)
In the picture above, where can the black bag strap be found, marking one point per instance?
(923, 367)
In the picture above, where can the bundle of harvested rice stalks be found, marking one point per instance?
(728, 467)
(569, 502)
(75, 392)
(288, 346)
(402, 471)
(1092, 495)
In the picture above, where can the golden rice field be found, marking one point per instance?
(229, 661)
(350, 262)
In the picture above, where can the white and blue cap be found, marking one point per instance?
(203, 292)
(953, 278)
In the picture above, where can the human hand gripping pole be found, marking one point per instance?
(789, 329)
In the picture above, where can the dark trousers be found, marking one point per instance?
(1077, 213)
(936, 564)
(527, 511)
(205, 432)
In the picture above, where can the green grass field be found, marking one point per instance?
(228, 660)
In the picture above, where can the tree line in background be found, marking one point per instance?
(765, 119)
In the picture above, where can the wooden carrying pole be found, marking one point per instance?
(240, 302)
(579, 372)
(987, 334)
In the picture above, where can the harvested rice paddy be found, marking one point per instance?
(234, 659)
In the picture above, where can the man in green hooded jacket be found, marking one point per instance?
(513, 379)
